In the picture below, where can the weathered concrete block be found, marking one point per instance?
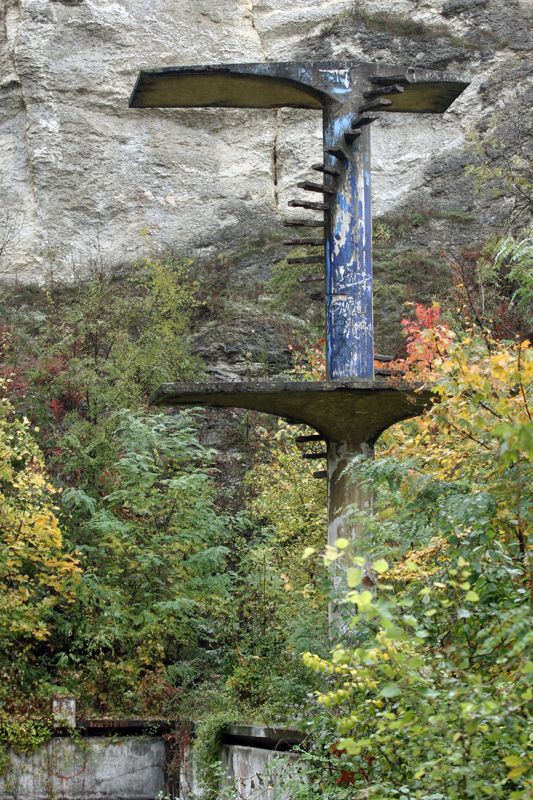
(251, 771)
(64, 710)
(131, 768)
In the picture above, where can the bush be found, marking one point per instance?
(428, 693)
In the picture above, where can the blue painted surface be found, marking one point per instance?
(348, 256)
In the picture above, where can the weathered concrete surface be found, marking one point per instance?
(344, 495)
(343, 410)
(251, 772)
(131, 768)
(254, 757)
(82, 176)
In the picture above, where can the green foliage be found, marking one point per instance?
(206, 751)
(184, 611)
(282, 605)
(427, 694)
(292, 289)
(38, 576)
(154, 592)
(179, 610)
(400, 226)
(73, 357)
(279, 603)
(21, 735)
(139, 502)
(404, 274)
(515, 258)
(501, 158)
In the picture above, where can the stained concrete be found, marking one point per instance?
(129, 768)
(350, 411)
(134, 767)
(254, 773)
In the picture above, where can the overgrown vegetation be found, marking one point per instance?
(428, 694)
(144, 593)
(501, 158)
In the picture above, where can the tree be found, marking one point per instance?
(38, 576)
(154, 595)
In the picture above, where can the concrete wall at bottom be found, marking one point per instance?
(250, 773)
(129, 768)
(121, 767)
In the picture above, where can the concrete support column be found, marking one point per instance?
(349, 312)
(344, 493)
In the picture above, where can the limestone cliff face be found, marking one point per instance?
(81, 175)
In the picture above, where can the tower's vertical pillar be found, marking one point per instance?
(348, 247)
(343, 493)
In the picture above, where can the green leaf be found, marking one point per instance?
(342, 543)
(513, 761)
(308, 552)
(380, 566)
(363, 599)
(353, 577)
(390, 690)
(472, 596)
(516, 772)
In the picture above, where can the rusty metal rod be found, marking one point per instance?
(304, 242)
(308, 204)
(309, 437)
(309, 186)
(303, 223)
(375, 105)
(360, 122)
(327, 170)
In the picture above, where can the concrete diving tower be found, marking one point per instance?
(351, 408)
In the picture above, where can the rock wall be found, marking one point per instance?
(82, 177)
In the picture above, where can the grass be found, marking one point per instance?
(399, 226)
(399, 25)
(393, 24)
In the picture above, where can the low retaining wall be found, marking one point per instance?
(129, 768)
(249, 756)
(117, 761)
